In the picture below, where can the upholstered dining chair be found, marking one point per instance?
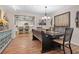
(20, 30)
(66, 41)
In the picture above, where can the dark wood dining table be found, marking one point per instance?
(46, 38)
(52, 35)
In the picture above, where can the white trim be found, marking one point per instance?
(75, 43)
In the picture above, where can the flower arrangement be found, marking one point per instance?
(3, 22)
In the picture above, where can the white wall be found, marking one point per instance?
(73, 10)
(10, 18)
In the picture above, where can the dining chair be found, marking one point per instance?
(66, 41)
(20, 30)
(59, 29)
(26, 29)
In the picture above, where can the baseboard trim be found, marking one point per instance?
(75, 43)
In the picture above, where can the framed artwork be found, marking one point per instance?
(62, 20)
(77, 19)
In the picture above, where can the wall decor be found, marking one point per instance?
(62, 20)
(77, 19)
(5, 16)
(0, 14)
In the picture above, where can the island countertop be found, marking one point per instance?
(5, 30)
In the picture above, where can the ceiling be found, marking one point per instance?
(35, 9)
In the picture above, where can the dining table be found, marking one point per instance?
(54, 34)
(46, 38)
(51, 36)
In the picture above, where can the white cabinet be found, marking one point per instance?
(5, 38)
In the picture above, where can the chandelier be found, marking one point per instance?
(45, 16)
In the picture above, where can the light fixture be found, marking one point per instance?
(45, 16)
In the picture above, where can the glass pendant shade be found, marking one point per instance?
(45, 17)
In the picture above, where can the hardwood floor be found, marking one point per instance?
(23, 44)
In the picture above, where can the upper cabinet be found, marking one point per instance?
(20, 20)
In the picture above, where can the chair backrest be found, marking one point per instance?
(26, 28)
(68, 34)
(60, 29)
(20, 28)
